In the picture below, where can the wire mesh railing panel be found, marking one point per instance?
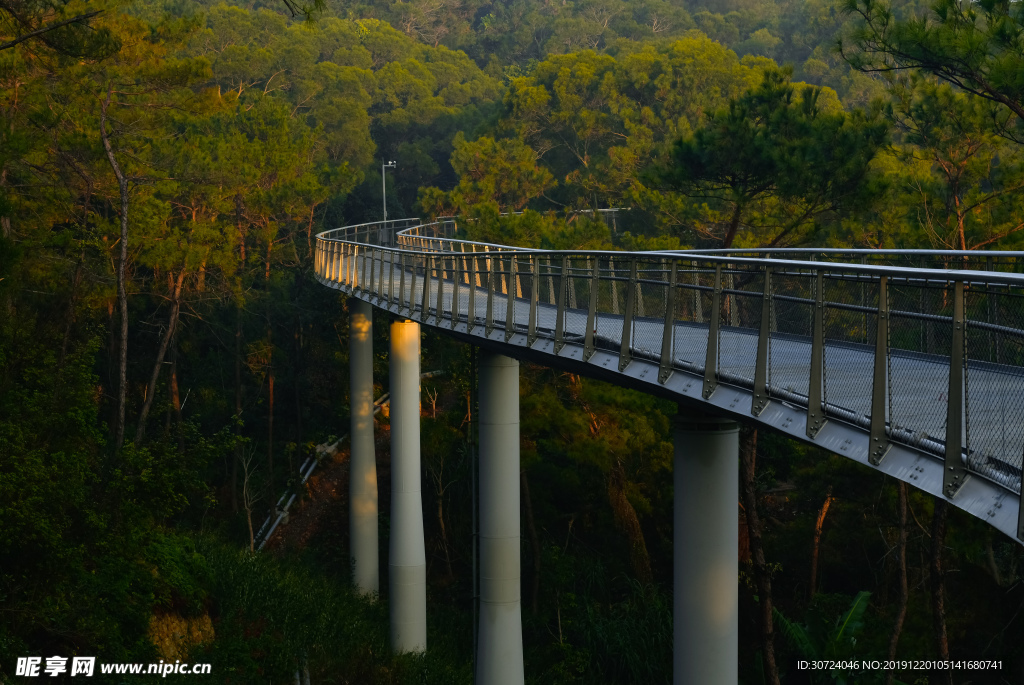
(614, 282)
(994, 383)
(650, 297)
(694, 293)
(789, 343)
(919, 348)
(500, 273)
(577, 298)
(850, 323)
(741, 321)
(460, 303)
(610, 312)
(549, 278)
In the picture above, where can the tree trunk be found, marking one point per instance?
(5, 221)
(172, 322)
(76, 281)
(626, 518)
(270, 423)
(238, 406)
(175, 391)
(901, 558)
(443, 529)
(939, 587)
(531, 529)
(122, 293)
(817, 541)
(734, 224)
(297, 370)
(762, 578)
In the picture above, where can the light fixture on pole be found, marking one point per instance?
(384, 185)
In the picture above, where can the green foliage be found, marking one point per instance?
(976, 47)
(777, 161)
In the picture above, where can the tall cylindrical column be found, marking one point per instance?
(500, 646)
(362, 484)
(407, 566)
(706, 541)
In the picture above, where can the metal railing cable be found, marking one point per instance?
(929, 358)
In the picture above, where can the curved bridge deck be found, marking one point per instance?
(852, 357)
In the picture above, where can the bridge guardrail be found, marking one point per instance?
(867, 344)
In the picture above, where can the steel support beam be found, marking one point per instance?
(500, 646)
(407, 565)
(879, 445)
(362, 484)
(706, 537)
(711, 360)
(955, 473)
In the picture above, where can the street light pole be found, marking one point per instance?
(384, 186)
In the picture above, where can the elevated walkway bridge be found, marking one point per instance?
(909, 362)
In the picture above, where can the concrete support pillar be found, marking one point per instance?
(407, 566)
(362, 486)
(500, 647)
(706, 550)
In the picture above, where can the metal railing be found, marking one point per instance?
(865, 342)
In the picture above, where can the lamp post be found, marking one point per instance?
(384, 185)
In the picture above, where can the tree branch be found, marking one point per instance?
(49, 27)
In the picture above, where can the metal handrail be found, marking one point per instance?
(642, 304)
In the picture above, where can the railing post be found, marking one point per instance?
(625, 349)
(439, 271)
(955, 473)
(669, 328)
(456, 287)
(510, 299)
(340, 268)
(489, 316)
(815, 406)
(588, 339)
(531, 331)
(367, 275)
(346, 264)
(760, 401)
(560, 311)
(355, 281)
(880, 382)
(376, 265)
(401, 282)
(425, 299)
(391, 277)
(714, 323)
(474, 283)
